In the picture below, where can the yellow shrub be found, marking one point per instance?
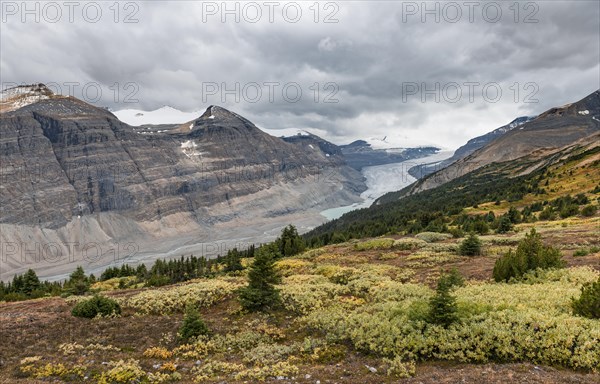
(211, 369)
(374, 244)
(337, 274)
(388, 256)
(200, 349)
(27, 364)
(122, 372)
(57, 370)
(289, 267)
(161, 377)
(265, 354)
(432, 237)
(284, 369)
(113, 284)
(408, 243)
(70, 348)
(158, 353)
(202, 293)
(351, 301)
(169, 366)
(303, 298)
(312, 253)
(400, 369)
(305, 279)
(530, 321)
(75, 348)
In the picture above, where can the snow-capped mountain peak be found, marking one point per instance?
(23, 95)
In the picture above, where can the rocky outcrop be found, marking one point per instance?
(69, 165)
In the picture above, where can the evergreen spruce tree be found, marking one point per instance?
(260, 293)
(588, 304)
(504, 225)
(514, 215)
(31, 282)
(141, 272)
(78, 283)
(17, 284)
(290, 243)
(471, 246)
(233, 261)
(530, 255)
(192, 326)
(442, 306)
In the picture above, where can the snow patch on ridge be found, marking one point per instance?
(23, 95)
(190, 148)
(164, 115)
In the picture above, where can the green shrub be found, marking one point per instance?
(432, 237)
(456, 232)
(514, 215)
(589, 210)
(471, 246)
(530, 254)
(192, 326)
(588, 304)
(581, 252)
(504, 224)
(78, 283)
(569, 210)
(418, 310)
(97, 305)
(329, 354)
(547, 214)
(481, 227)
(290, 243)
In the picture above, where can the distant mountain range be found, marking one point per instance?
(358, 154)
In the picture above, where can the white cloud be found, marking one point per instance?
(370, 54)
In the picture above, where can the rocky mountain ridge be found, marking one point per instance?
(469, 147)
(547, 133)
(74, 172)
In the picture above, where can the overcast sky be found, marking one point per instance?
(374, 58)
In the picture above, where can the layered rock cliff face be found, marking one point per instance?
(72, 172)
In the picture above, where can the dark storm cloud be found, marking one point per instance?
(374, 55)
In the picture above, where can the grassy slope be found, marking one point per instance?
(356, 278)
